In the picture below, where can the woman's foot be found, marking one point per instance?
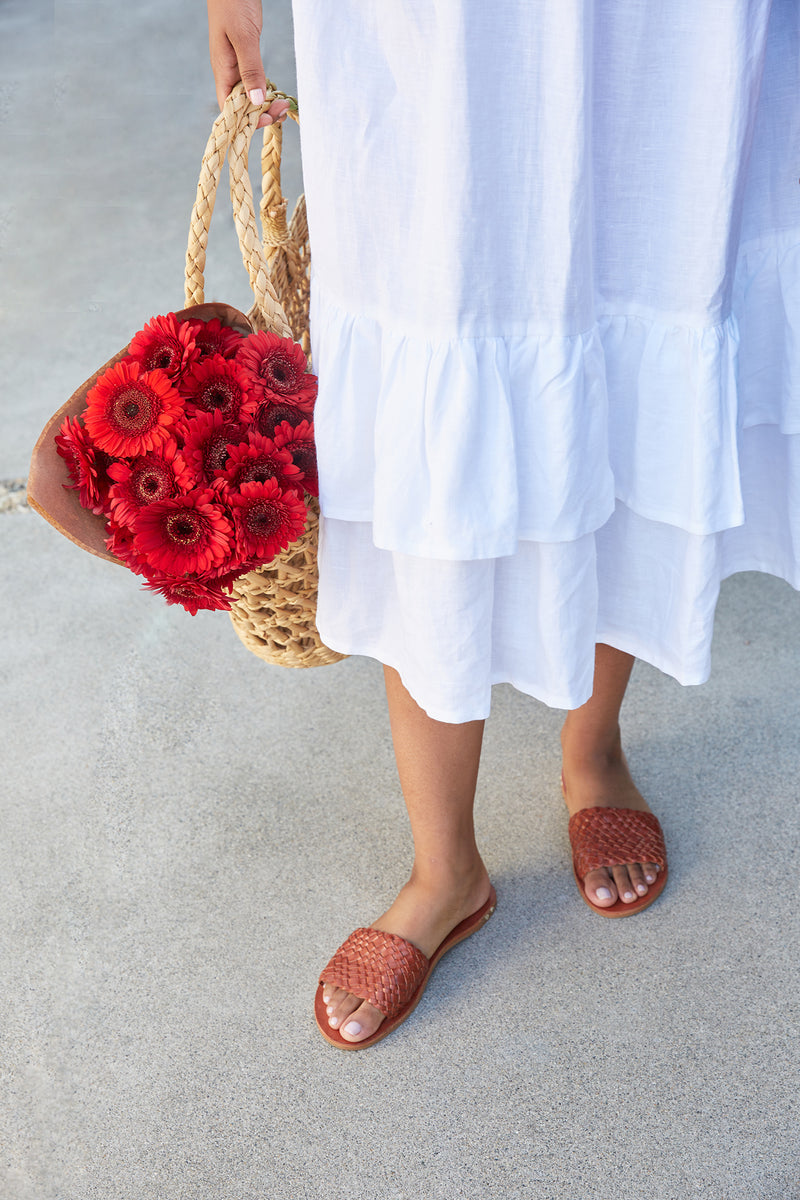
(424, 913)
(601, 779)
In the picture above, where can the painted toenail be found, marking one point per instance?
(353, 1028)
(629, 896)
(329, 1009)
(603, 894)
(641, 889)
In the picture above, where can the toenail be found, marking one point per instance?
(334, 1021)
(629, 896)
(330, 1009)
(603, 894)
(641, 889)
(353, 1028)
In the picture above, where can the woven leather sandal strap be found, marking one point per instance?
(611, 837)
(381, 968)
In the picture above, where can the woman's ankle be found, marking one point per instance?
(589, 746)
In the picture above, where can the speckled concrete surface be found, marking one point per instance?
(188, 834)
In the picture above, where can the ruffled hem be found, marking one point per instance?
(532, 619)
(495, 440)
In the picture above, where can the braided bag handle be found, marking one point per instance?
(231, 135)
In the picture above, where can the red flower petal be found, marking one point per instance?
(119, 541)
(192, 594)
(276, 369)
(257, 460)
(266, 518)
(218, 385)
(165, 344)
(87, 466)
(207, 439)
(129, 412)
(270, 414)
(300, 444)
(185, 535)
(212, 337)
(145, 480)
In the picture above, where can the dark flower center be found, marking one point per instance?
(219, 394)
(215, 451)
(152, 481)
(162, 356)
(184, 526)
(208, 343)
(132, 411)
(280, 372)
(257, 470)
(269, 417)
(304, 456)
(262, 519)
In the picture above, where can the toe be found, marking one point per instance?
(638, 878)
(600, 888)
(625, 885)
(650, 872)
(361, 1023)
(339, 1005)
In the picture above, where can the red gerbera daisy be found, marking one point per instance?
(185, 535)
(269, 415)
(166, 344)
(130, 411)
(146, 479)
(257, 460)
(207, 438)
(276, 369)
(192, 594)
(119, 541)
(87, 466)
(212, 337)
(267, 519)
(300, 444)
(218, 385)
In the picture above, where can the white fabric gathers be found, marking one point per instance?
(556, 322)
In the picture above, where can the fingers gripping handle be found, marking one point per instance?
(231, 134)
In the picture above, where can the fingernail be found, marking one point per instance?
(352, 1027)
(256, 96)
(603, 894)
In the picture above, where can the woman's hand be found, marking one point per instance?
(234, 29)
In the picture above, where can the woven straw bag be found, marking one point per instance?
(274, 606)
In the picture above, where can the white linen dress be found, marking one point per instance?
(556, 322)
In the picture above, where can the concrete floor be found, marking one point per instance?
(188, 833)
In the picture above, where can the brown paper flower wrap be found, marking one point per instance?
(274, 606)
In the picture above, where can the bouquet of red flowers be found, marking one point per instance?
(198, 449)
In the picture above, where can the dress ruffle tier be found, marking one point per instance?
(506, 484)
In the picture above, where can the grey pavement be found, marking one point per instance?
(187, 833)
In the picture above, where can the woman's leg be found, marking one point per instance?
(596, 773)
(438, 769)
